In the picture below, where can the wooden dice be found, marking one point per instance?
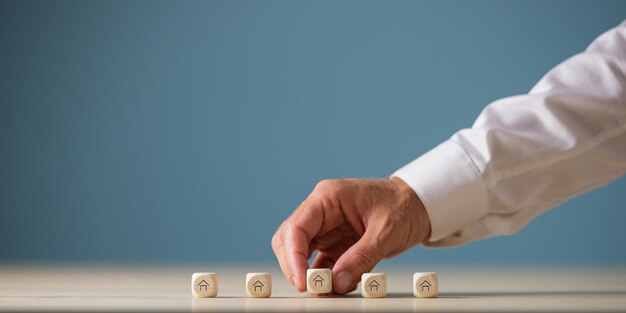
(319, 280)
(425, 285)
(259, 285)
(374, 285)
(204, 285)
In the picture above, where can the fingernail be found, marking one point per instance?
(344, 281)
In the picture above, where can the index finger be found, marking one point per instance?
(309, 220)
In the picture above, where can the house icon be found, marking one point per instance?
(425, 285)
(258, 286)
(374, 285)
(204, 285)
(318, 280)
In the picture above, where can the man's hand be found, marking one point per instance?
(353, 224)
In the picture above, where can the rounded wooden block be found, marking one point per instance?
(204, 285)
(319, 280)
(374, 285)
(425, 285)
(259, 285)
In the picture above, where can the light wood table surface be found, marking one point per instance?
(167, 288)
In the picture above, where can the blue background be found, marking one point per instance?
(165, 131)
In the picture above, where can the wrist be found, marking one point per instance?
(411, 202)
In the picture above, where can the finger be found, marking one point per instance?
(278, 247)
(290, 243)
(360, 258)
(316, 215)
(299, 232)
(311, 219)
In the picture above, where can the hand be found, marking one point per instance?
(353, 224)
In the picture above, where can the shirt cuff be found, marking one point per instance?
(449, 186)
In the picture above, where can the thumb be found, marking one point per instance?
(358, 259)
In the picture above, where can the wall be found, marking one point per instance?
(166, 131)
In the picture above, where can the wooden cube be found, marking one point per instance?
(319, 280)
(425, 285)
(204, 285)
(374, 285)
(259, 285)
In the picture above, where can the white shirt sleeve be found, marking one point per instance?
(526, 154)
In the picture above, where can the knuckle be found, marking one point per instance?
(277, 242)
(291, 234)
(328, 187)
(323, 184)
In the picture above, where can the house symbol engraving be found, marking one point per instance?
(374, 285)
(258, 286)
(318, 280)
(203, 285)
(425, 285)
